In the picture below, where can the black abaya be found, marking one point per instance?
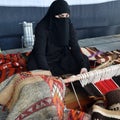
(56, 48)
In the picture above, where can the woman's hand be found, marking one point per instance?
(83, 70)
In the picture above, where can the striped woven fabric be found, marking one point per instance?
(100, 113)
(106, 86)
(72, 114)
(99, 59)
(102, 87)
(112, 109)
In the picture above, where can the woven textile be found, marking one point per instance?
(106, 85)
(100, 113)
(11, 64)
(3, 113)
(113, 100)
(32, 95)
(99, 59)
(72, 114)
(101, 87)
(110, 111)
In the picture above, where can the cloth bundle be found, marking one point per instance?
(11, 64)
(33, 95)
(112, 109)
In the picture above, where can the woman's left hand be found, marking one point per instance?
(83, 70)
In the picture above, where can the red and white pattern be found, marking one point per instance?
(35, 107)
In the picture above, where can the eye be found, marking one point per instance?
(67, 15)
(64, 15)
(57, 16)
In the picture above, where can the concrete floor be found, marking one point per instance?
(105, 43)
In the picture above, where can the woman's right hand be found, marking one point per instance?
(83, 70)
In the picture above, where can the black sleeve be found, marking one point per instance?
(40, 47)
(75, 48)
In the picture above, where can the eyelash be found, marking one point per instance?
(63, 15)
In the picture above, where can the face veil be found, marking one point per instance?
(59, 27)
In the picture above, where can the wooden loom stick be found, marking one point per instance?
(112, 71)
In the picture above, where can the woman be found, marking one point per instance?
(56, 48)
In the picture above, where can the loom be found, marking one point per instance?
(100, 74)
(97, 82)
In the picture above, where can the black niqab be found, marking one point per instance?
(59, 27)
